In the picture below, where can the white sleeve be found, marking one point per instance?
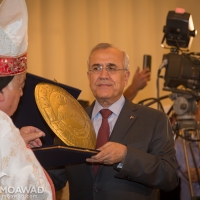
(20, 172)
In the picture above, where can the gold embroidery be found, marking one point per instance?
(28, 158)
(5, 161)
(12, 152)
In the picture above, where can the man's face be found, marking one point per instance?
(11, 94)
(107, 87)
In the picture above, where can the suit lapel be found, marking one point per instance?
(126, 118)
(124, 121)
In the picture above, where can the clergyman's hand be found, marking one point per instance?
(110, 153)
(31, 136)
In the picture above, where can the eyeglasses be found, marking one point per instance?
(111, 69)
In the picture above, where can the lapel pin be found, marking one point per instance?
(131, 117)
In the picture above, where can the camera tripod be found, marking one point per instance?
(188, 128)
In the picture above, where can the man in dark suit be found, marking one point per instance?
(139, 157)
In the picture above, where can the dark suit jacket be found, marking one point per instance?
(149, 163)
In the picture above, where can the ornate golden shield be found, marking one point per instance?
(65, 116)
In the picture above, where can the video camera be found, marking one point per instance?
(182, 67)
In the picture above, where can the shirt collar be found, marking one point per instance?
(115, 107)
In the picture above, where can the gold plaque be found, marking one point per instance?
(65, 116)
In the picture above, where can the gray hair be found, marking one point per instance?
(106, 46)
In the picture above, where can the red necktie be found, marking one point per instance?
(104, 132)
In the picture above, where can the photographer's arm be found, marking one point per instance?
(139, 81)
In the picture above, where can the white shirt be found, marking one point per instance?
(115, 108)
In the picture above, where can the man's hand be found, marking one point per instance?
(110, 153)
(139, 81)
(31, 136)
(140, 78)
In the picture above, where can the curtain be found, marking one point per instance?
(62, 33)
